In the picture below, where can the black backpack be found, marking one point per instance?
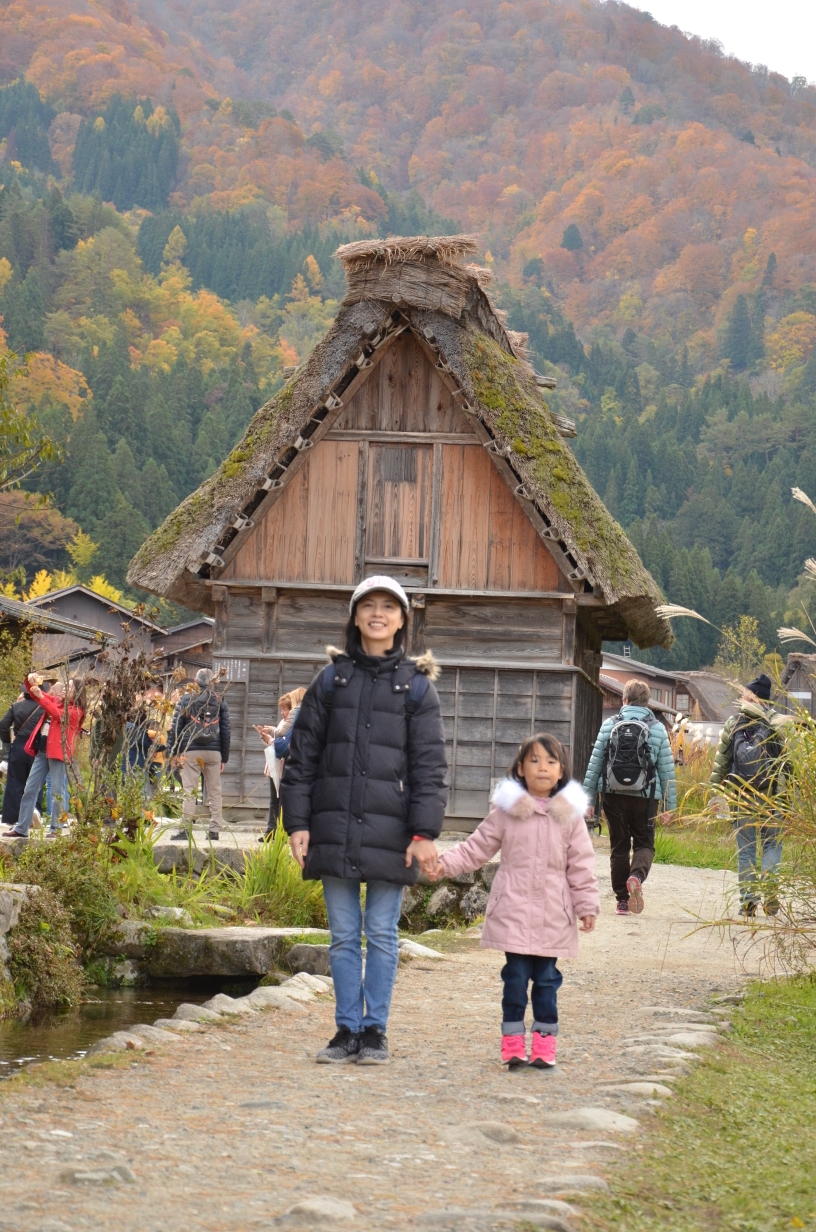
(204, 714)
(628, 767)
(755, 752)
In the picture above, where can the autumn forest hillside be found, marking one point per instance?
(175, 177)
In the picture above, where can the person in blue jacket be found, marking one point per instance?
(630, 811)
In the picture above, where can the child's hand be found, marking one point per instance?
(587, 924)
(436, 873)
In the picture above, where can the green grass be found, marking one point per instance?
(734, 1150)
(704, 846)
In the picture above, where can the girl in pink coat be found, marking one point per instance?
(545, 883)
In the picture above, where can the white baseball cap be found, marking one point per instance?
(378, 582)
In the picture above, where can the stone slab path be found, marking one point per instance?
(236, 1128)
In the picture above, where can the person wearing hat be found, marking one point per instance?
(750, 753)
(363, 798)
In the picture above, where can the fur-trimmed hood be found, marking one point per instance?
(512, 798)
(425, 663)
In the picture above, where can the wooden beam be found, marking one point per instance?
(362, 510)
(403, 438)
(256, 584)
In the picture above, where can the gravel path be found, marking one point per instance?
(233, 1128)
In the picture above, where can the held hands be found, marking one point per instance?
(424, 851)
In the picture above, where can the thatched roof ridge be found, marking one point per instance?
(439, 249)
(394, 283)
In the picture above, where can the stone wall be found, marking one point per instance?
(455, 900)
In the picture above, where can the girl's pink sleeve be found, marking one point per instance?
(583, 884)
(482, 845)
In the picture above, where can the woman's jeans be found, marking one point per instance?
(33, 790)
(757, 875)
(360, 1002)
(517, 972)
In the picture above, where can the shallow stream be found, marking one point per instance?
(60, 1037)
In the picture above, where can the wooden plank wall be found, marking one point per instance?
(486, 541)
(404, 393)
(398, 518)
(309, 534)
(493, 628)
(487, 713)
(588, 718)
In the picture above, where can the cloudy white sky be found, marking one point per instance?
(781, 34)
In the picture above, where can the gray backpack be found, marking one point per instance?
(628, 767)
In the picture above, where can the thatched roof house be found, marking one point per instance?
(415, 440)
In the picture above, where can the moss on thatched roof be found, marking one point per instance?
(421, 283)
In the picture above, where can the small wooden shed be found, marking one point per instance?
(414, 441)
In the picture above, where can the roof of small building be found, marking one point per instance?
(44, 601)
(421, 283)
(797, 661)
(31, 614)
(716, 695)
(624, 663)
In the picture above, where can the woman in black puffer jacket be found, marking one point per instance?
(363, 797)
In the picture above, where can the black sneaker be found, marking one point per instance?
(373, 1047)
(213, 835)
(748, 910)
(181, 836)
(340, 1050)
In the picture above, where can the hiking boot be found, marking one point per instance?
(634, 890)
(542, 1052)
(748, 910)
(514, 1051)
(373, 1047)
(181, 836)
(771, 906)
(341, 1049)
(623, 907)
(213, 835)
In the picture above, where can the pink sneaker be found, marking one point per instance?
(635, 891)
(514, 1051)
(542, 1053)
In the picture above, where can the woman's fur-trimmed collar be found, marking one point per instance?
(512, 798)
(425, 663)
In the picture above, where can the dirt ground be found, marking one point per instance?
(232, 1128)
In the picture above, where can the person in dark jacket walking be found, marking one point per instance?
(16, 726)
(199, 742)
(630, 813)
(363, 799)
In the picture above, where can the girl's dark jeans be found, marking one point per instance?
(516, 974)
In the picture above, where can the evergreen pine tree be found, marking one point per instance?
(630, 500)
(93, 490)
(738, 338)
(158, 497)
(116, 414)
(120, 533)
(128, 479)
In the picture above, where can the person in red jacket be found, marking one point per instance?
(64, 719)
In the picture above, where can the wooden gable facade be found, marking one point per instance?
(413, 441)
(402, 484)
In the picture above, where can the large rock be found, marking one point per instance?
(313, 959)
(474, 903)
(130, 939)
(12, 897)
(441, 902)
(233, 951)
(177, 855)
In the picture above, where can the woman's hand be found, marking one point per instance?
(299, 844)
(35, 690)
(424, 850)
(587, 924)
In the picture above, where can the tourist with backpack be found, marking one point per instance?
(363, 798)
(199, 741)
(632, 769)
(751, 754)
